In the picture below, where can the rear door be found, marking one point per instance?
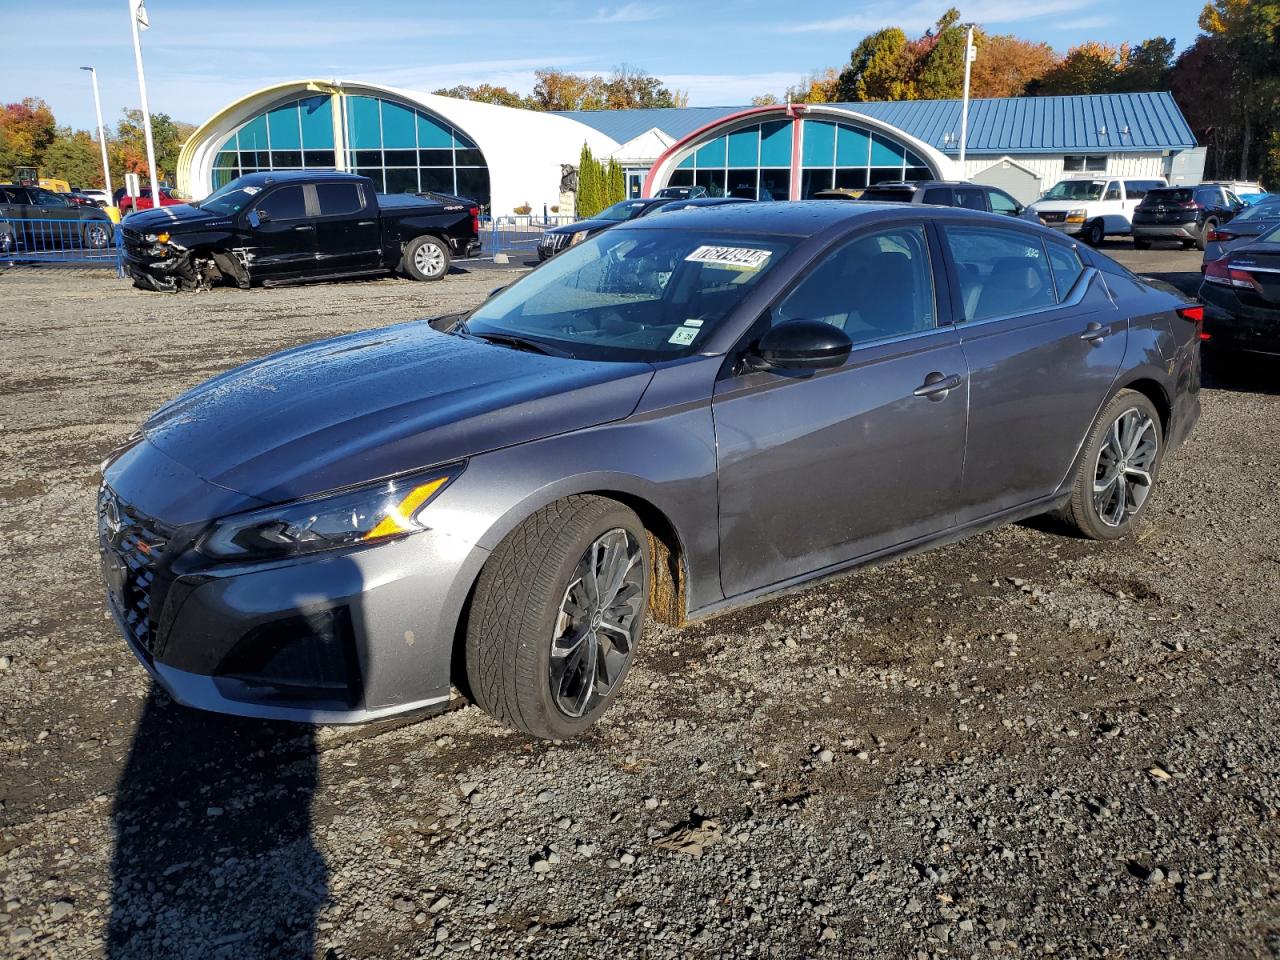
(1043, 343)
(815, 470)
(348, 234)
(283, 236)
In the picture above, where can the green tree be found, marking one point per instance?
(879, 69)
(130, 151)
(589, 192)
(74, 157)
(617, 188)
(1147, 67)
(940, 75)
(1091, 67)
(1248, 36)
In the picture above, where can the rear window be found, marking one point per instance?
(892, 194)
(1262, 210)
(338, 199)
(1168, 195)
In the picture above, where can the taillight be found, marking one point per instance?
(1219, 236)
(475, 220)
(1196, 315)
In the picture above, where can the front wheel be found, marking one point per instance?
(556, 617)
(1140, 244)
(1118, 470)
(1094, 233)
(426, 258)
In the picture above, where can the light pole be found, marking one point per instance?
(102, 136)
(970, 55)
(138, 17)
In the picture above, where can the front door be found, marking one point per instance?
(348, 235)
(816, 470)
(1043, 342)
(282, 237)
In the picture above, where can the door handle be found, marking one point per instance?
(366, 223)
(304, 226)
(937, 385)
(1094, 333)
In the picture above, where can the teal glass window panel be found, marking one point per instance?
(433, 135)
(775, 143)
(852, 147)
(282, 124)
(253, 135)
(711, 154)
(744, 149)
(363, 124)
(914, 161)
(226, 158)
(819, 143)
(317, 123)
(885, 153)
(463, 142)
(686, 163)
(397, 127)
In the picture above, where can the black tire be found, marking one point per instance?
(96, 235)
(426, 258)
(1139, 244)
(1203, 239)
(516, 612)
(1082, 511)
(1094, 233)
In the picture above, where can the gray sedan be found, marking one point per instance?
(672, 419)
(1244, 228)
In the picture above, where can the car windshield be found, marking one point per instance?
(1268, 209)
(229, 199)
(631, 293)
(1076, 190)
(624, 210)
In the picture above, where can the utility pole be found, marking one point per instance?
(970, 55)
(102, 136)
(138, 18)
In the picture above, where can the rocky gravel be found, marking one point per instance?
(1024, 744)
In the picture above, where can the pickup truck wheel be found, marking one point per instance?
(557, 615)
(426, 258)
(1094, 233)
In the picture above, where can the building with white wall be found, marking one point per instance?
(507, 158)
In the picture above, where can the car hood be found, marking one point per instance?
(371, 404)
(1058, 206)
(585, 225)
(165, 218)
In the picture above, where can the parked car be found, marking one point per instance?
(674, 418)
(558, 239)
(292, 226)
(1186, 215)
(168, 198)
(100, 198)
(699, 203)
(1095, 208)
(681, 193)
(1241, 296)
(1249, 191)
(1245, 227)
(838, 193)
(35, 218)
(945, 193)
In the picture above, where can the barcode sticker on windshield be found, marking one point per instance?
(732, 258)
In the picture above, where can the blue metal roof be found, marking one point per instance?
(1111, 123)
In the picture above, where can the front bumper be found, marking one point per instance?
(337, 637)
(1070, 229)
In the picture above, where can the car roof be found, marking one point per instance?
(798, 218)
(285, 176)
(915, 184)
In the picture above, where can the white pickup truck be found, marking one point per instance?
(1093, 207)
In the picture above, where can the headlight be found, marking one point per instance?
(381, 511)
(1076, 216)
(156, 238)
(579, 237)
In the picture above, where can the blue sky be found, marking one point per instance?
(201, 55)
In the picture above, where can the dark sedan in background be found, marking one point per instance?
(33, 218)
(562, 238)
(674, 418)
(1241, 296)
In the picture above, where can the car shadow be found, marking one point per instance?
(1241, 372)
(214, 856)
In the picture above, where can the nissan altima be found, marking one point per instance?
(674, 418)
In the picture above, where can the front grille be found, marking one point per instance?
(1053, 218)
(554, 242)
(132, 548)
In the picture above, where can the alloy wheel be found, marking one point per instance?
(429, 259)
(1125, 469)
(596, 625)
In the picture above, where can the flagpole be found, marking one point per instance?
(102, 136)
(134, 6)
(964, 109)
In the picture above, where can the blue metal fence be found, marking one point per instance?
(35, 240)
(516, 234)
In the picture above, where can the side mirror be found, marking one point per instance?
(258, 217)
(802, 345)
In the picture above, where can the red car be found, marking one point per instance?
(128, 204)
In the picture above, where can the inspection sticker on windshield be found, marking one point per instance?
(683, 335)
(732, 258)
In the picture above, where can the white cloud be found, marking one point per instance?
(921, 15)
(628, 13)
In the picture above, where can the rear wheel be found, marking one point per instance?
(557, 614)
(1118, 470)
(1140, 244)
(1203, 239)
(426, 258)
(97, 235)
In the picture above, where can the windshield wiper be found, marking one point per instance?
(512, 341)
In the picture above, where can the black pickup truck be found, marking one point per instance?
(290, 226)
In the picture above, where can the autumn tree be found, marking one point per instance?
(940, 73)
(128, 149)
(624, 89)
(817, 87)
(74, 156)
(484, 93)
(1247, 35)
(1007, 65)
(879, 68)
(1091, 67)
(764, 100)
(27, 128)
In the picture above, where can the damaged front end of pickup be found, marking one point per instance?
(157, 261)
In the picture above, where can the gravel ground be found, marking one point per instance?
(1023, 744)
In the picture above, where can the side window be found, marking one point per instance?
(284, 203)
(1002, 272)
(1136, 189)
(1113, 191)
(1208, 197)
(339, 199)
(938, 196)
(47, 198)
(1233, 200)
(876, 286)
(1001, 202)
(1066, 267)
(971, 199)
